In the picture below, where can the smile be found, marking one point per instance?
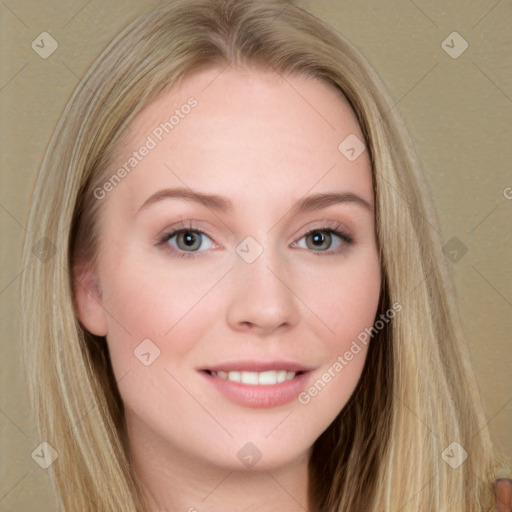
(266, 378)
(255, 385)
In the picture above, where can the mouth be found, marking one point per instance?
(265, 378)
(258, 385)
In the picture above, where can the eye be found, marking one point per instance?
(324, 239)
(188, 240)
(321, 240)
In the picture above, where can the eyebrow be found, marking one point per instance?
(222, 204)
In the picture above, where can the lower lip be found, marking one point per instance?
(259, 396)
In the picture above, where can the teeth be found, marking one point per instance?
(234, 376)
(282, 375)
(248, 377)
(262, 378)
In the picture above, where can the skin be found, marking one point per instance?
(263, 142)
(503, 495)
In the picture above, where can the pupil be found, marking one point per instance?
(190, 239)
(319, 240)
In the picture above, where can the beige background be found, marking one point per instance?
(458, 111)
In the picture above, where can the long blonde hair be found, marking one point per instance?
(417, 394)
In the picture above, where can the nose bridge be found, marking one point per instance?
(261, 296)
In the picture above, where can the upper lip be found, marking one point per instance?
(257, 366)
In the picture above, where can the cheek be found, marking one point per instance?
(344, 299)
(154, 325)
(144, 302)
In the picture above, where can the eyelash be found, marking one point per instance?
(333, 228)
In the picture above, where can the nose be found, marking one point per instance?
(262, 299)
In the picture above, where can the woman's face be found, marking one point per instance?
(206, 265)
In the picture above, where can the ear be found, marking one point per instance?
(88, 296)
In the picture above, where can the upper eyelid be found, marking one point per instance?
(325, 225)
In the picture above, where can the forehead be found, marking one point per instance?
(234, 128)
(235, 93)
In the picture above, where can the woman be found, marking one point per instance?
(248, 305)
